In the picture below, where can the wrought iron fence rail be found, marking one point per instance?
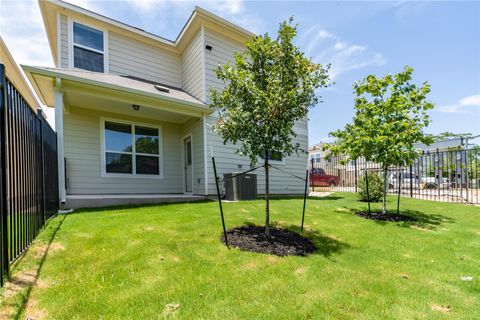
(449, 176)
(29, 181)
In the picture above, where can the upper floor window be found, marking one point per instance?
(275, 156)
(88, 48)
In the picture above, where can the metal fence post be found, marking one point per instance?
(42, 166)
(312, 181)
(355, 167)
(466, 170)
(411, 182)
(399, 191)
(4, 268)
(368, 191)
(304, 200)
(219, 201)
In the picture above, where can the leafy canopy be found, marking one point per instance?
(271, 85)
(391, 113)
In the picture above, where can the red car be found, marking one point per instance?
(318, 178)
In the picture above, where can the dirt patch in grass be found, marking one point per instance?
(444, 309)
(251, 266)
(390, 217)
(40, 250)
(280, 242)
(33, 312)
(300, 270)
(20, 281)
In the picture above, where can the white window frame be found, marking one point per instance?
(71, 45)
(103, 150)
(276, 162)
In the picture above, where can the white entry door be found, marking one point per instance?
(187, 161)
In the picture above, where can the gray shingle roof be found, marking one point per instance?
(129, 82)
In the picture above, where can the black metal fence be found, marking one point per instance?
(449, 176)
(29, 182)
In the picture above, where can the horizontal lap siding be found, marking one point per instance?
(63, 41)
(225, 157)
(222, 52)
(132, 57)
(192, 68)
(195, 127)
(82, 151)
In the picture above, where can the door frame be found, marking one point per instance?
(184, 164)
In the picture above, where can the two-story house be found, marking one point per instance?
(131, 108)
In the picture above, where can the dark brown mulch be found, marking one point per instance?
(280, 242)
(392, 217)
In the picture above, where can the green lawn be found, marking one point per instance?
(157, 262)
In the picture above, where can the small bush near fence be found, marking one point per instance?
(375, 188)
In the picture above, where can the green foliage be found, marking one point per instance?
(271, 85)
(391, 113)
(450, 135)
(375, 188)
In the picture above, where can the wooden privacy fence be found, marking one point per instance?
(29, 174)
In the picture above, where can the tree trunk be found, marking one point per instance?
(267, 197)
(385, 185)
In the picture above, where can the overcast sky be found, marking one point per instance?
(440, 40)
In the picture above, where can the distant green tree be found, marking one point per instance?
(449, 135)
(391, 113)
(271, 86)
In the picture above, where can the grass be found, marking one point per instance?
(156, 262)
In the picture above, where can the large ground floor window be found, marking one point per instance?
(131, 149)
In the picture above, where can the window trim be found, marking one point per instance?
(103, 150)
(71, 44)
(276, 162)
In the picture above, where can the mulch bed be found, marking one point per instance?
(280, 242)
(391, 217)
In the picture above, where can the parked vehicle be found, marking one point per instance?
(417, 182)
(319, 178)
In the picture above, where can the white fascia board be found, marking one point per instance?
(41, 71)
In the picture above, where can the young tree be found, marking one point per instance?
(271, 85)
(391, 113)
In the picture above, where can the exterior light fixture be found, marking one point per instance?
(208, 47)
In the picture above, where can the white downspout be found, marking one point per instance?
(62, 192)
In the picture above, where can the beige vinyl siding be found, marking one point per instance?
(63, 41)
(195, 128)
(280, 183)
(192, 71)
(222, 51)
(135, 58)
(225, 157)
(83, 156)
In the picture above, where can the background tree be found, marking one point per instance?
(271, 85)
(390, 115)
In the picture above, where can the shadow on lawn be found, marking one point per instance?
(326, 246)
(309, 198)
(133, 206)
(422, 220)
(25, 281)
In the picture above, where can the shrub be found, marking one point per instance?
(375, 188)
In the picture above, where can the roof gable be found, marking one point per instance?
(50, 10)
